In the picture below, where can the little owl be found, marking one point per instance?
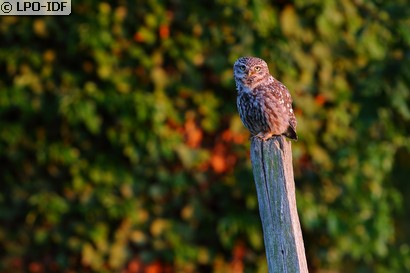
(264, 103)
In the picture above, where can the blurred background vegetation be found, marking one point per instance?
(121, 149)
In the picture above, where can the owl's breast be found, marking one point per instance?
(250, 110)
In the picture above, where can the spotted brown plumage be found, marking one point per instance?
(264, 103)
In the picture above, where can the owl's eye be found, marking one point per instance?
(258, 68)
(242, 67)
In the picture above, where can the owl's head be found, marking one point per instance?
(250, 71)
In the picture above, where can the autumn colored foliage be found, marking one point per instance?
(121, 148)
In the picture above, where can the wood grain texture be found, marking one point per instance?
(273, 174)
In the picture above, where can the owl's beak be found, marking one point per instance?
(250, 73)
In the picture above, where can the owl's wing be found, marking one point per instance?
(284, 97)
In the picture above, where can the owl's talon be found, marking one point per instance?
(264, 136)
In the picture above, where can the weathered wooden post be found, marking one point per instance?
(275, 186)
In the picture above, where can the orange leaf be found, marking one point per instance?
(164, 31)
(218, 163)
(237, 266)
(320, 100)
(35, 267)
(239, 251)
(155, 267)
(227, 135)
(193, 133)
(134, 266)
(138, 37)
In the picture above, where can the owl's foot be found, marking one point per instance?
(264, 136)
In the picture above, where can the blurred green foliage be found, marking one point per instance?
(121, 149)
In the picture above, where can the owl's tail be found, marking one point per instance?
(291, 133)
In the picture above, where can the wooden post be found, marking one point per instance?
(275, 186)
